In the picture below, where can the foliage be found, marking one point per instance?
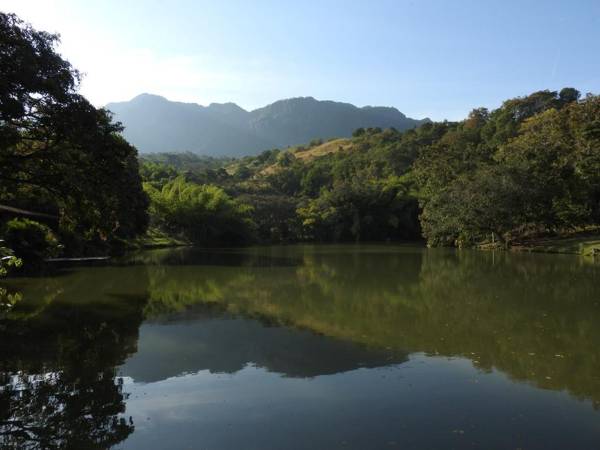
(58, 154)
(361, 211)
(187, 161)
(486, 204)
(8, 260)
(275, 217)
(204, 214)
(30, 240)
(530, 167)
(157, 173)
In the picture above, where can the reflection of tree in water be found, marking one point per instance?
(62, 411)
(534, 317)
(206, 338)
(58, 388)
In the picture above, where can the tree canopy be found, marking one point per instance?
(58, 153)
(528, 168)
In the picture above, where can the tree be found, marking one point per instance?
(475, 207)
(66, 394)
(362, 211)
(584, 119)
(528, 167)
(545, 150)
(275, 217)
(58, 153)
(31, 241)
(204, 214)
(8, 259)
(568, 95)
(505, 121)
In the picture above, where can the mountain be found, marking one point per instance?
(155, 124)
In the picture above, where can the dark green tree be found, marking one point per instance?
(58, 153)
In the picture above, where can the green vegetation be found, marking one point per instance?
(31, 240)
(529, 168)
(59, 156)
(202, 214)
(156, 238)
(527, 171)
(8, 260)
(318, 192)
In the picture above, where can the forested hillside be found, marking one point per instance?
(530, 168)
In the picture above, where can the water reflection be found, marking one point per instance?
(207, 339)
(58, 370)
(174, 320)
(535, 317)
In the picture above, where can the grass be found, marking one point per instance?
(306, 155)
(326, 148)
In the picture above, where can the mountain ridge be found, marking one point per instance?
(155, 124)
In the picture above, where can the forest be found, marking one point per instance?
(530, 168)
(71, 185)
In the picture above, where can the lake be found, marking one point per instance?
(304, 347)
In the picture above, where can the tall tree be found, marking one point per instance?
(58, 153)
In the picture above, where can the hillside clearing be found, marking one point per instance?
(310, 154)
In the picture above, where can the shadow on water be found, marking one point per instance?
(299, 311)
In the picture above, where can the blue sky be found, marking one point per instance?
(430, 58)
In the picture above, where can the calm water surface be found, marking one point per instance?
(304, 347)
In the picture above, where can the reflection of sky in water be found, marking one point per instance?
(424, 403)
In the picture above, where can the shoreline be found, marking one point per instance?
(582, 244)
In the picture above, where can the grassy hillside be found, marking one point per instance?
(306, 154)
(332, 146)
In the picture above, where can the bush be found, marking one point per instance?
(31, 241)
(203, 214)
(8, 260)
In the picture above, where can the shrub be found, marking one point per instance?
(30, 240)
(204, 214)
(8, 260)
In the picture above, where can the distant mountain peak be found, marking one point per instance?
(153, 124)
(228, 106)
(146, 96)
